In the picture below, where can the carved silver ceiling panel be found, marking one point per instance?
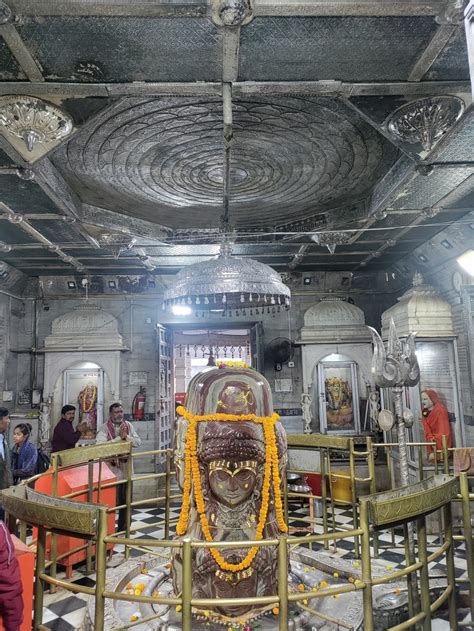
(310, 48)
(452, 62)
(9, 68)
(162, 159)
(75, 48)
(426, 191)
(461, 142)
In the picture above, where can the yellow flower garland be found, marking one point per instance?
(192, 473)
(92, 400)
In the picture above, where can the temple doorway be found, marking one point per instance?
(198, 350)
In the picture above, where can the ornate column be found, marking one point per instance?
(395, 368)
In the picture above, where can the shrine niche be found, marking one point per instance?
(82, 366)
(337, 353)
(422, 310)
(230, 457)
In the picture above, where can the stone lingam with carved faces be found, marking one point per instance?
(230, 455)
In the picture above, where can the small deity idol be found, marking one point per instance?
(235, 494)
(306, 409)
(338, 403)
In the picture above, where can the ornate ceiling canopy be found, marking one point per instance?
(163, 158)
(333, 136)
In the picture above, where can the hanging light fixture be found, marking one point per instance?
(229, 285)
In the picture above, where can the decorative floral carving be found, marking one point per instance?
(33, 120)
(5, 13)
(117, 243)
(168, 153)
(424, 121)
(330, 239)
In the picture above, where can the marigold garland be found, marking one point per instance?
(193, 475)
(85, 392)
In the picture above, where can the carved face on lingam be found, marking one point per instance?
(229, 444)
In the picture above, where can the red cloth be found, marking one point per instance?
(436, 423)
(11, 602)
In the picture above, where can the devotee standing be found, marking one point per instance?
(435, 422)
(11, 589)
(117, 429)
(6, 479)
(24, 454)
(64, 435)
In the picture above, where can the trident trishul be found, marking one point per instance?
(398, 365)
(394, 368)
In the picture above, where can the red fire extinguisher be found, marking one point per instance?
(138, 405)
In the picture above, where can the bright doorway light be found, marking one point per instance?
(181, 310)
(466, 261)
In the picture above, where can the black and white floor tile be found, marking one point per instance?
(65, 612)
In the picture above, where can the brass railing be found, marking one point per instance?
(88, 521)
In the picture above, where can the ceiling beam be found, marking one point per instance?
(382, 130)
(243, 88)
(118, 222)
(230, 54)
(431, 52)
(52, 183)
(139, 8)
(347, 7)
(24, 225)
(59, 192)
(21, 53)
(176, 8)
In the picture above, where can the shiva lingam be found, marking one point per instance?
(230, 455)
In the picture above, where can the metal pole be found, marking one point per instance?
(402, 439)
(54, 541)
(372, 485)
(331, 499)
(451, 577)
(283, 584)
(23, 531)
(424, 573)
(39, 587)
(405, 480)
(366, 567)
(167, 493)
(410, 586)
(467, 527)
(187, 585)
(90, 499)
(128, 501)
(322, 460)
(444, 440)
(100, 563)
(355, 517)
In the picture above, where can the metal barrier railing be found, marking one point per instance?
(90, 523)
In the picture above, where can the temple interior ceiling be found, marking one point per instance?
(296, 116)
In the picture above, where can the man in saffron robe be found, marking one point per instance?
(435, 422)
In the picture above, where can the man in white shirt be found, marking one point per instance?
(116, 430)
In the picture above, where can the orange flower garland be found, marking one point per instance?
(192, 473)
(92, 390)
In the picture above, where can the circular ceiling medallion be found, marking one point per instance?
(163, 159)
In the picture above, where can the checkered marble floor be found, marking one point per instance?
(65, 612)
